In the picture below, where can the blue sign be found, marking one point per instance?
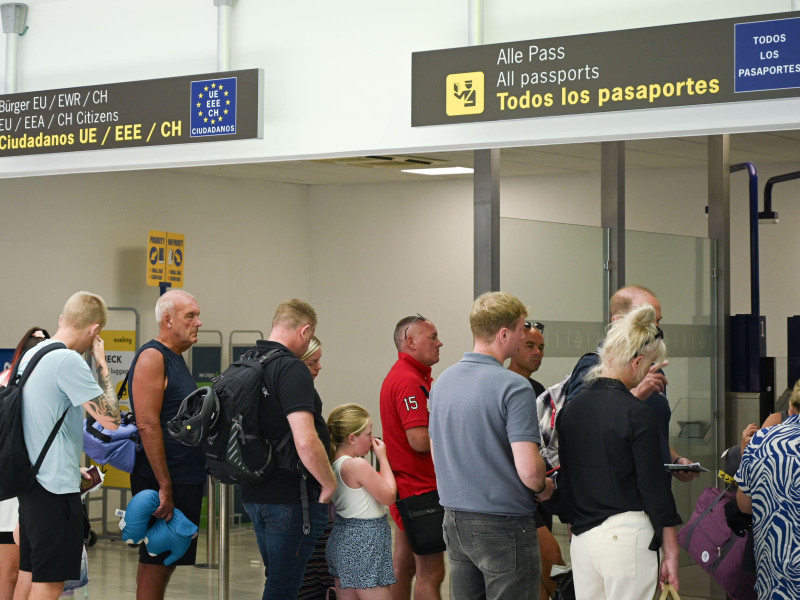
(6, 354)
(767, 55)
(212, 107)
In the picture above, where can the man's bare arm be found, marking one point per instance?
(418, 438)
(312, 452)
(530, 468)
(105, 407)
(147, 388)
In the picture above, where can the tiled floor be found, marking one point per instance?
(112, 571)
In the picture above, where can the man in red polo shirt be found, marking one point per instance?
(404, 418)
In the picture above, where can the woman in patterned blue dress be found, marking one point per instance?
(359, 551)
(769, 487)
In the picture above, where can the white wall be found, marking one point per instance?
(337, 76)
(363, 255)
(62, 234)
(380, 253)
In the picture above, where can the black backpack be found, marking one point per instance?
(17, 475)
(236, 451)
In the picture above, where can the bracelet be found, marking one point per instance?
(544, 487)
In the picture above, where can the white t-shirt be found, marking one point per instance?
(354, 503)
(9, 515)
(61, 380)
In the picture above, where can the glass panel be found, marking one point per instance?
(557, 271)
(678, 270)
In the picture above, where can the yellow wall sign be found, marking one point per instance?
(120, 346)
(165, 257)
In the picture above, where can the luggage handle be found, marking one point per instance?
(669, 592)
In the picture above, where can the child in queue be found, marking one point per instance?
(359, 550)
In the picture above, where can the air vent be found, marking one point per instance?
(386, 162)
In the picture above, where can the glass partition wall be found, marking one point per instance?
(558, 271)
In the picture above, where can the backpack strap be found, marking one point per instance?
(32, 363)
(303, 472)
(28, 370)
(708, 509)
(49, 442)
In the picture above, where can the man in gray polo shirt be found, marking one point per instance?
(485, 446)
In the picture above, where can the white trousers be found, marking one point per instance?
(612, 561)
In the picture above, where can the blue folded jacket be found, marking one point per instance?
(173, 536)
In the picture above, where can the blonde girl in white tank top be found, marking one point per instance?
(359, 551)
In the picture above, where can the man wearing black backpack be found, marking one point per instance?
(290, 405)
(50, 513)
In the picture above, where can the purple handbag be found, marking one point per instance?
(715, 547)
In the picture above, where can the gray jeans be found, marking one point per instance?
(491, 556)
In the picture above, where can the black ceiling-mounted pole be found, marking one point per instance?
(755, 293)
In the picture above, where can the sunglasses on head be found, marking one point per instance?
(659, 335)
(419, 317)
(536, 324)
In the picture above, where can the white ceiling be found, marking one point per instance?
(759, 148)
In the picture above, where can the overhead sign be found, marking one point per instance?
(166, 253)
(176, 110)
(768, 55)
(674, 65)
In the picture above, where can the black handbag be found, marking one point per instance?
(565, 588)
(422, 517)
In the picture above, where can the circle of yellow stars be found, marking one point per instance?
(220, 87)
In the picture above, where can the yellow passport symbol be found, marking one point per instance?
(464, 94)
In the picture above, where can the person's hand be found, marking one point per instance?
(669, 572)
(747, 434)
(165, 506)
(684, 476)
(99, 351)
(548, 490)
(379, 448)
(326, 493)
(652, 383)
(85, 473)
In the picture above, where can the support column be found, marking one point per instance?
(486, 182)
(224, 8)
(486, 190)
(719, 229)
(612, 215)
(13, 16)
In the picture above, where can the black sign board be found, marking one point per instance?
(238, 351)
(730, 60)
(206, 363)
(176, 110)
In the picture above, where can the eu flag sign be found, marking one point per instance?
(213, 107)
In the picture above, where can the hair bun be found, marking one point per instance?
(643, 316)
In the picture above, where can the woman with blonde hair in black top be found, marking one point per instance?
(613, 492)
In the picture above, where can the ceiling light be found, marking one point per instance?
(441, 171)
